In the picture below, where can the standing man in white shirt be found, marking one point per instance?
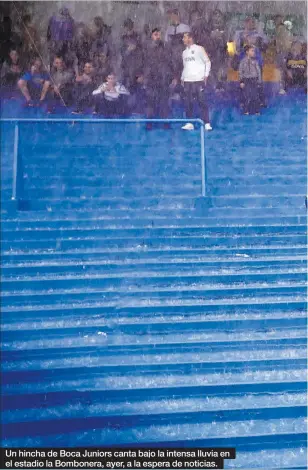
(197, 66)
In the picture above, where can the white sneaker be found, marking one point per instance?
(208, 127)
(282, 92)
(188, 127)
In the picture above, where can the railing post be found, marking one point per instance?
(15, 162)
(203, 166)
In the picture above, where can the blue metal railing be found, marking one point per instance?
(17, 163)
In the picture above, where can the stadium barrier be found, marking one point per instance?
(17, 183)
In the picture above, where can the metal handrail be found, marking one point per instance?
(99, 120)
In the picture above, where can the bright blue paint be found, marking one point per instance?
(168, 289)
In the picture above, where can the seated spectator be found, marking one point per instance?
(11, 71)
(111, 97)
(83, 88)
(60, 85)
(250, 80)
(296, 67)
(31, 84)
(132, 63)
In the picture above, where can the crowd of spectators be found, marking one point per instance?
(79, 71)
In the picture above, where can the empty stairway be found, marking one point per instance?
(135, 313)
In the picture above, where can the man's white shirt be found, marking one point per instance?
(197, 64)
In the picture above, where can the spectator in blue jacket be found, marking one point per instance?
(33, 83)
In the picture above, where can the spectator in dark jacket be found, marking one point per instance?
(60, 33)
(250, 36)
(201, 31)
(100, 37)
(132, 63)
(83, 88)
(174, 39)
(129, 36)
(218, 50)
(102, 66)
(158, 75)
(60, 84)
(11, 71)
(30, 40)
(82, 44)
(6, 40)
(250, 81)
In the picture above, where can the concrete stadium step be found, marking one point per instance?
(160, 173)
(248, 433)
(174, 210)
(149, 281)
(143, 252)
(254, 170)
(146, 382)
(175, 406)
(156, 359)
(259, 190)
(157, 296)
(155, 231)
(110, 163)
(87, 320)
(108, 181)
(153, 267)
(282, 179)
(107, 359)
(39, 220)
(25, 400)
(184, 313)
(258, 201)
(97, 239)
(135, 420)
(33, 369)
(102, 193)
(115, 338)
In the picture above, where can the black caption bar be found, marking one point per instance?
(114, 458)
